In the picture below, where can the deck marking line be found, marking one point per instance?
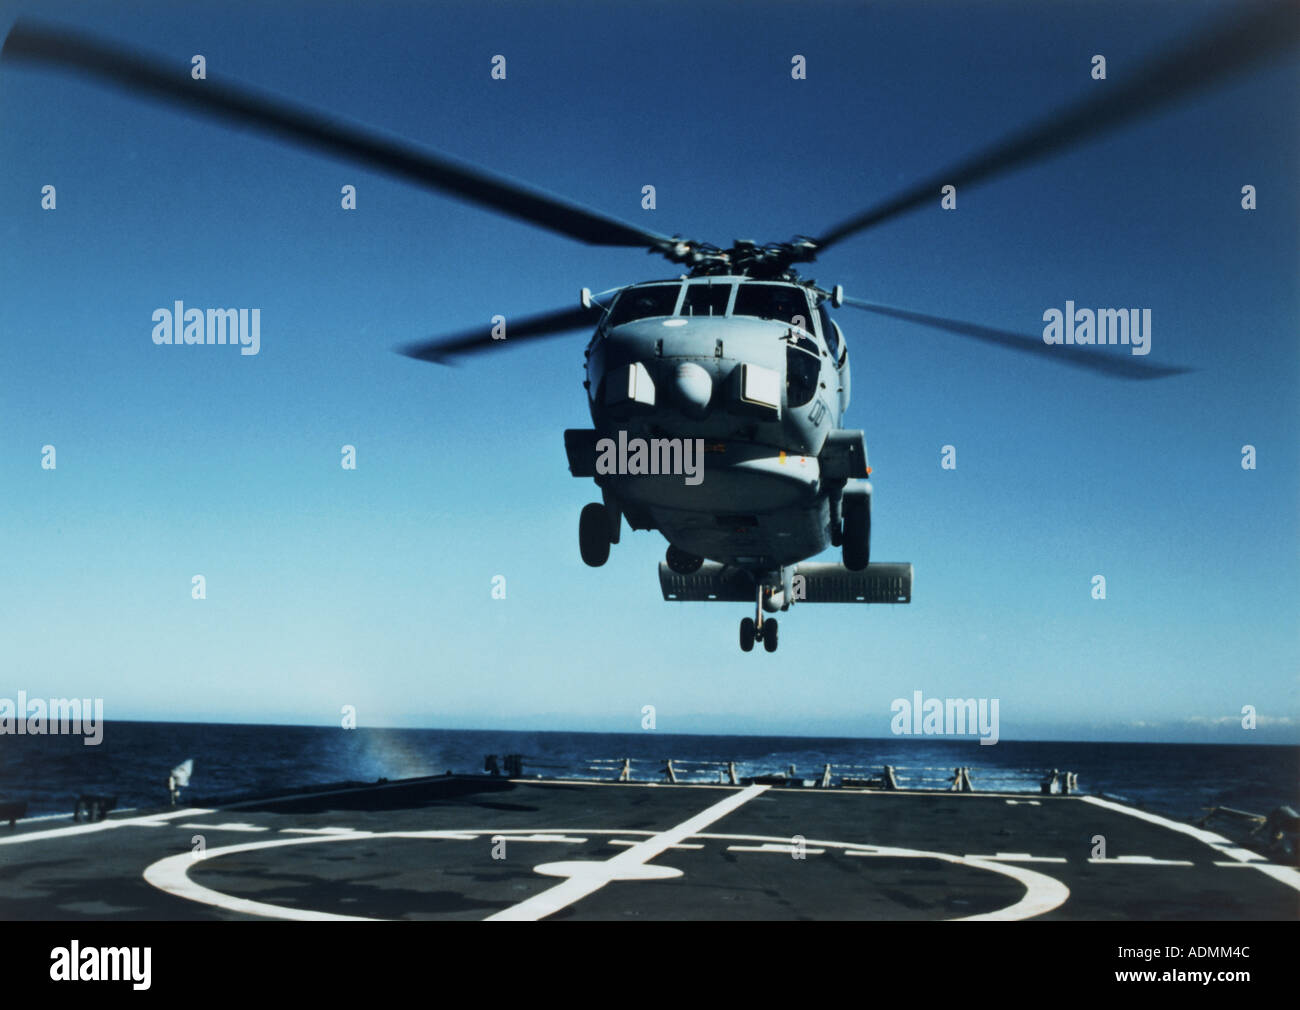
(630, 860)
(233, 826)
(172, 875)
(686, 846)
(147, 821)
(318, 831)
(582, 869)
(785, 849)
(1288, 875)
(1144, 861)
(1042, 893)
(1019, 857)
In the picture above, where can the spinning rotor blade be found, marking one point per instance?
(242, 106)
(546, 324)
(1240, 43)
(1084, 356)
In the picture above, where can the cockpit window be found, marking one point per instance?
(774, 301)
(801, 373)
(706, 299)
(644, 302)
(828, 332)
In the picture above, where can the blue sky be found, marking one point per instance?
(372, 588)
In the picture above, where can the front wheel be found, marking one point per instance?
(769, 634)
(593, 534)
(857, 533)
(747, 635)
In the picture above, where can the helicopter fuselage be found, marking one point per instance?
(757, 372)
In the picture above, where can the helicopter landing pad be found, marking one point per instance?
(477, 847)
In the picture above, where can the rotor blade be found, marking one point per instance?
(1238, 44)
(243, 106)
(1079, 355)
(546, 324)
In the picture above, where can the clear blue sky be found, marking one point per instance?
(372, 588)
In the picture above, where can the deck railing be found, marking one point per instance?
(889, 778)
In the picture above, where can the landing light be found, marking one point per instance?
(630, 385)
(760, 386)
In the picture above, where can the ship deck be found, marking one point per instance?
(478, 847)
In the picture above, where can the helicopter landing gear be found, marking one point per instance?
(593, 534)
(769, 634)
(857, 532)
(755, 629)
(684, 563)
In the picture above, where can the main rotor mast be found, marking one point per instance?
(746, 258)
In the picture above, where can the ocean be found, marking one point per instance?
(231, 761)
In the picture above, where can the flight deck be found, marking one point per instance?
(484, 847)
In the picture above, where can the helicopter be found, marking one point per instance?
(717, 396)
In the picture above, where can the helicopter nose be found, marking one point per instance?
(694, 388)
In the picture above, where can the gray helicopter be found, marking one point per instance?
(717, 398)
(755, 373)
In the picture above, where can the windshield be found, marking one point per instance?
(706, 300)
(773, 301)
(643, 302)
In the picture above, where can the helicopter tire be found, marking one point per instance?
(683, 562)
(747, 634)
(593, 534)
(769, 634)
(857, 533)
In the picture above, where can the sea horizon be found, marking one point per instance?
(133, 760)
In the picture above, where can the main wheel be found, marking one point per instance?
(682, 562)
(769, 634)
(857, 533)
(747, 634)
(593, 534)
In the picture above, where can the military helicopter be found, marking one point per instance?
(718, 396)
